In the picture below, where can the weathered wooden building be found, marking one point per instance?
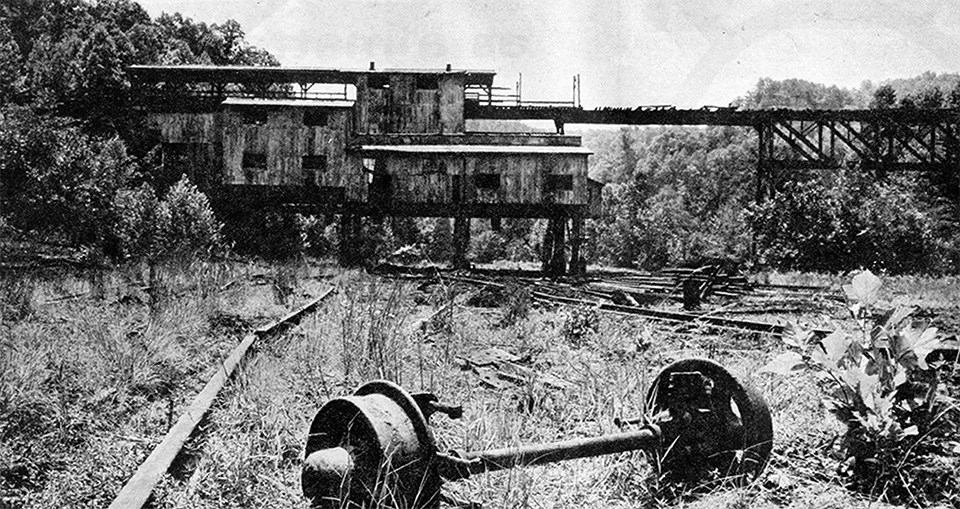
(365, 143)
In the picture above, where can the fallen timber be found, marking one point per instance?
(949, 352)
(710, 280)
(628, 291)
(663, 315)
(136, 493)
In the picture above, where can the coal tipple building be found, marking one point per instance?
(365, 143)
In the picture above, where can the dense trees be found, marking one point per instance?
(799, 94)
(57, 179)
(683, 195)
(69, 56)
(72, 168)
(682, 201)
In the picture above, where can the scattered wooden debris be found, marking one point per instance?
(501, 369)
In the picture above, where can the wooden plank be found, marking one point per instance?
(184, 127)
(451, 103)
(136, 493)
(338, 126)
(671, 316)
(233, 143)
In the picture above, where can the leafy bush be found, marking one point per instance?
(319, 236)
(274, 234)
(439, 239)
(882, 388)
(578, 322)
(182, 224)
(848, 219)
(375, 240)
(185, 220)
(56, 180)
(136, 225)
(488, 246)
(516, 303)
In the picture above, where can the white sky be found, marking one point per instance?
(628, 52)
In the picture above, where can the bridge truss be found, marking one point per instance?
(878, 140)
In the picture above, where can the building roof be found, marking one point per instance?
(299, 103)
(253, 74)
(475, 149)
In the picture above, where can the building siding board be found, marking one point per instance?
(362, 107)
(377, 110)
(426, 124)
(451, 103)
(426, 111)
(400, 99)
(185, 127)
(427, 178)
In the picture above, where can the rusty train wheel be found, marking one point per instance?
(729, 441)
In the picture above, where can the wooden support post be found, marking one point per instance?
(578, 266)
(461, 242)
(691, 294)
(546, 248)
(347, 239)
(759, 196)
(762, 137)
(560, 247)
(555, 260)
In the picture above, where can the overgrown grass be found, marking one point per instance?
(250, 452)
(375, 329)
(88, 385)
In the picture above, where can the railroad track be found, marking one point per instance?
(136, 493)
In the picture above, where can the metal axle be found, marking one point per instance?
(542, 454)
(375, 448)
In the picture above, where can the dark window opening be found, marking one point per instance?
(315, 117)
(317, 163)
(380, 187)
(559, 183)
(428, 82)
(254, 160)
(487, 181)
(254, 116)
(378, 81)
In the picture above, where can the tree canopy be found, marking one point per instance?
(70, 56)
(66, 122)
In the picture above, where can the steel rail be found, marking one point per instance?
(137, 491)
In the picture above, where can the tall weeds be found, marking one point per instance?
(16, 296)
(372, 312)
(87, 384)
